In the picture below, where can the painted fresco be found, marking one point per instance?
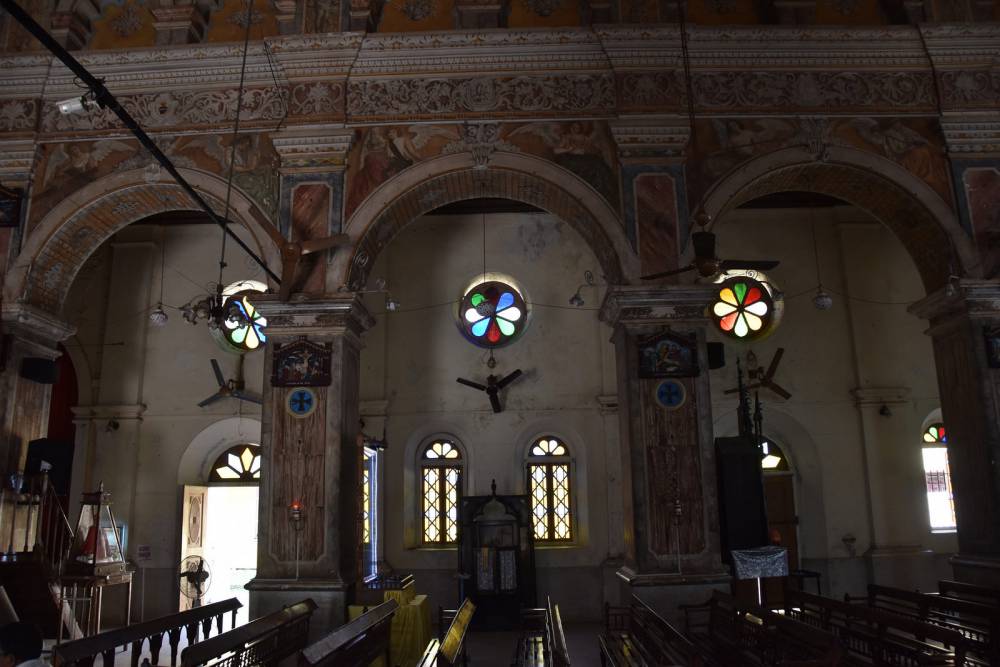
(912, 143)
(656, 217)
(19, 39)
(123, 25)
(322, 16)
(229, 23)
(982, 190)
(67, 167)
(583, 147)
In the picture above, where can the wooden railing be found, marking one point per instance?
(354, 644)
(196, 622)
(32, 521)
(266, 641)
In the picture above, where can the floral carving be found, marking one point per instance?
(524, 94)
(970, 88)
(317, 99)
(128, 22)
(17, 114)
(418, 10)
(241, 18)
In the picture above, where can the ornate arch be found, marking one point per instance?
(923, 222)
(69, 234)
(440, 181)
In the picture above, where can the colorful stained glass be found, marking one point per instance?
(936, 433)
(238, 464)
(492, 314)
(441, 487)
(743, 307)
(549, 490)
(245, 329)
(366, 499)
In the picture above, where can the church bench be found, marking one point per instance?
(354, 644)
(196, 622)
(969, 592)
(874, 636)
(729, 634)
(450, 649)
(542, 640)
(637, 635)
(978, 623)
(265, 641)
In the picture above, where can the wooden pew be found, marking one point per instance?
(637, 635)
(727, 633)
(265, 641)
(969, 592)
(196, 622)
(355, 644)
(876, 636)
(450, 650)
(542, 641)
(978, 623)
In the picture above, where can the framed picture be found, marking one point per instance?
(302, 364)
(992, 340)
(668, 355)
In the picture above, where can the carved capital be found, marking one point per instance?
(639, 305)
(36, 327)
(313, 149)
(184, 24)
(650, 137)
(339, 315)
(960, 300)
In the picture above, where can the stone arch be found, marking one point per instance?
(196, 462)
(444, 180)
(68, 235)
(924, 223)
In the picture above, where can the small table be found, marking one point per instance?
(758, 563)
(93, 587)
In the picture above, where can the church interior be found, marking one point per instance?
(526, 332)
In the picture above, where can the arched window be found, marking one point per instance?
(772, 458)
(549, 488)
(369, 511)
(237, 465)
(441, 484)
(937, 476)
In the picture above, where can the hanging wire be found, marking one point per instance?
(484, 247)
(236, 132)
(819, 281)
(163, 263)
(282, 93)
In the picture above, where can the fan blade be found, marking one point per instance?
(774, 363)
(736, 389)
(747, 264)
(218, 373)
(250, 398)
(201, 566)
(316, 245)
(495, 402)
(704, 244)
(289, 265)
(212, 399)
(673, 272)
(777, 389)
(470, 383)
(510, 378)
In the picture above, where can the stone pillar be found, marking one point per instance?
(965, 329)
(311, 459)
(24, 404)
(668, 455)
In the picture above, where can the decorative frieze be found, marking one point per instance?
(651, 137)
(312, 148)
(975, 134)
(16, 159)
(643, 305)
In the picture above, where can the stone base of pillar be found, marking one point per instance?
(978, 570)
(270, 595)
(665, 593)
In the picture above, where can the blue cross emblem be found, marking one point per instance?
(670, 394)
(300, 402)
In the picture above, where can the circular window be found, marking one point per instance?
(492, 314)
(747, 306)
(242, 326)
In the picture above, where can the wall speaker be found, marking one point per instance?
(742, 511)
(39, 369)
(58, 456)
(716, 355)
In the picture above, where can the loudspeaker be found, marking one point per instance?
(716, 355)
(59, 455)
(742, 511)
(39, 369)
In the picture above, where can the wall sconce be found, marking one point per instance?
(296, 514)
(588, 281)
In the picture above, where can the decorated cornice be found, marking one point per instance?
(312, 147)
(640, 304)
(651, 136)
(343, 314)
(16, 157)
(972, 134)
(975, 299)
(34, 325)
(572, 72)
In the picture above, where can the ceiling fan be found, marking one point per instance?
(705, 261)
(293, 252)
(493, 386)
(762, 378)
(230, 388)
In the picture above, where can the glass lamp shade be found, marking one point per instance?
(97, 548)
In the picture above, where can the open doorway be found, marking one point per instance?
(219, 545)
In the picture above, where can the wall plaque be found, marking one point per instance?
(301, 364)
(668, 355)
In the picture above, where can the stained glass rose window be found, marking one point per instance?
(746, 305)
(244, 331)
(492, 314)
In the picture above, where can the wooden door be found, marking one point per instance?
(782, 520)
(192, 530)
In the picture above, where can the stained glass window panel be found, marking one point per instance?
(441, 486)
(539, 501)
(237, 464)
(432, 502)
(450, 509)
(550, 491)
(935, 433)
(492, 314)
(937, 477)
(560, 503)
(366, 499)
